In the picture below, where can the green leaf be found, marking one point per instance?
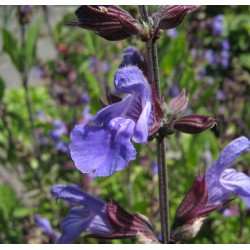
(2, 87)
(30, 44)
(89, 40)
(245, 60)
(13, 49)
(8, 201)
(93, 86)
(21, 212)
(16, 118)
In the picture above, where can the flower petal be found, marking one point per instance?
(141, 128)
(246, 200)
(74, 194)
(117, 109)
(130, 80)
(131, 56)
(43, 224)
(73, 225)
(105, 149)
(237, 183)
(217, 194)
(80, 220)
(229, 154)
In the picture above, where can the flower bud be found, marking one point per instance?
(194, 124)
(24, 14)
(109, 22)
(170, 16)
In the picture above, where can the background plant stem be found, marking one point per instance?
(161, 156)
(24, 75)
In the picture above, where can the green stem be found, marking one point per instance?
(25, 81)
(161, 156)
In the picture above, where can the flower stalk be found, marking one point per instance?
(161, 157)
(25, 83)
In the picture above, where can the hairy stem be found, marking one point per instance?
(161, 156)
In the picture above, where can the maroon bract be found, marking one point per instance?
(170, 16)
(192, 211)
(194, 124)
(109, 22)
(158, 113)
(179, 103)
(127, 225)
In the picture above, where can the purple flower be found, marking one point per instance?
(131, 56)
(62, 146)
(172, 33)
(86, 116)
(90, 217)
(220, 95)
(99, 219)
(225, 44)
(58, 131)
(95, 64)
(38, 72)
(45, 226)
(210, 57)
(104, 143)
(84, 98)
(212, 191)
(40, 114)
(154, 168)
(224, 59)
(172, 91)
(42, 139)
(217, 25)
(230, 211)
(223, 182)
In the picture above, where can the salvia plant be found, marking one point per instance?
(116, 128)
(135, 114)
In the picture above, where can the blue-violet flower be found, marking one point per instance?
(99, 219)
(212, 191)
(45, 226)
(103, 144)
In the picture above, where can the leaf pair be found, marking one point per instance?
(21, 56)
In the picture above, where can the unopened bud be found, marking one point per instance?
(194, 124)
(109, 22)
(24, 14)
(129, 225)
(170, 16)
